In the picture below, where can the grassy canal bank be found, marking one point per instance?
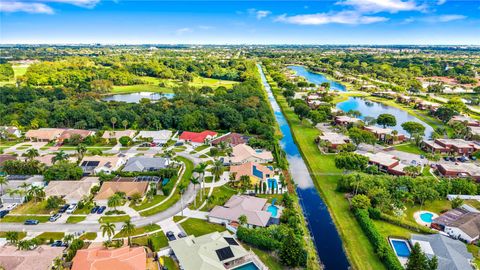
(325, 175)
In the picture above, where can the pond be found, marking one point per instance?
(317, 78)
(322, 229)
(136, 97)
(374, 109)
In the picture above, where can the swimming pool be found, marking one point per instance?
(273, 209)
(248, 266)
(426, 217)
(272, 182)
(401, 247)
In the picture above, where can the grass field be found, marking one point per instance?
(145, 204)
(88, 236)
(21, 219)
(32, 207)
(358, 248)
(114, 219)
(410, 148)
(21, 235)
(75, 219)
(139, 230)
(197, 227)
(169, 263)
(159, 240)
(51, 235)
(268, 259)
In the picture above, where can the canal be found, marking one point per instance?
(136, 97)
(317, 78)
(325, 235)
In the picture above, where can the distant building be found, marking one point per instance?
(68, 133)
(231, 139)
(11, 258)
(44, 134)
(459, 170)
(386, 134)
(99, 258)
(450, 146)
(198, 137)
(15, 182)
(97, 164)
(7, 132)
(71, 191)
(465, 119)
(158, 137)
(256, 172)
(242, 153)
(333, 139)
(344, 120)
(108, 134)
(108, 189)
(145, 164)
(386, 163)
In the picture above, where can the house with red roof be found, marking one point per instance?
(99, 258)
(198, 137)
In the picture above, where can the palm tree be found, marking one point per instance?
(125, 124)
(181, 190)
(217, 168)
(113, 120)
(194, 181)
(32, 153)
(108, 229)
(200, 169)
(12, 192)
(68, 238)
(59, 156)
(128, 229)
(114, 201)
(81, 150)
(24, 245)
(3, 181)
(242, 220)
(36, 192)
(25, 186)
(12, 237)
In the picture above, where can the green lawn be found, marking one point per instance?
(390, 230)
(51, 235)
(159, 240)
(21, 219)
(201, 147)
(268, 259)
(75, 219)
(139, 230)
(114, 219)
(436, 207)
(125, 89)
(31, 207)
(176, 196)
(21, 235)
(145, 204)
(220, 196)
(170, 263)
(88, 236)
(19, 70)
(83, 211)
(476, 254)
(358, 248)
(198, 227)
(410, 148)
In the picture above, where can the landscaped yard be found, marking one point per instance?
(220, 196)
(21, 235)
(114, 219)
(201, 147)
(75, 219)
(436, 207)
(169, 263)
(139, 230)
(88, 236)
(145, 204)
(47, 236)
(268, 259)
(159, 240)
(197, 227)
(32, 207)
(21, 219)
(410, 148)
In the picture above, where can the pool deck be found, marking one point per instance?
(403, 260)
(417, 218)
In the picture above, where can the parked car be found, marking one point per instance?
(12, 206)
(170, 235)
(31, 222)
(462, 159)
(55, 217)
(178, 144)
(71, 208)
(101, 209)
(58, 243)
(145, 144)
(452, 158)
(4, 213)
(94, 210)
(422, 156)
(446, 158)
(473, 158)
(63, 208)
(181, 235)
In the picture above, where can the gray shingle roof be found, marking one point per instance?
(140, 164)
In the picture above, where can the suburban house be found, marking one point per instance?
(44, 134)
(117, 134)
(459, 223)
(385, 162)
(128, 258)
(333, 139)
(344, 120)
(68, 133)
(451, 254)
(197, 138)
(475, 131)
(214, 251)
(231, 139)
(42, 257)
(71, 191)
(97, 164)
(256, 172)
(465, 119)
(404, 99)
(385, 134)
(17, 182)
(45, 159)
(159, 137)
(252, 207)
(459, 170)
(450, 146)
(108, 189)
(426, 105)
(242, 153)
(7, 132)
(145, 164)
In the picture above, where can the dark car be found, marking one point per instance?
(473, 158)
(181, 235)
(94, 210)
(446, 158)
(55, 217)
(101, 209)
(170, 235)
(178, 144)
(31, 222)
(452, 158)
(58, 243)
(3, 213)
(64, 208)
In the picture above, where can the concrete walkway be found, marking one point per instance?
(194, 214)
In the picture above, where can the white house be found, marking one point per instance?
(106, 164)
(158, 136)
(466, 228)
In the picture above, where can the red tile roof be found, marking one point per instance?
(198, 137)
(124, 258)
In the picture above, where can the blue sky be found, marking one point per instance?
(241, 22)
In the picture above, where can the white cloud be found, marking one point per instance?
(205, 27)
(13, 6)
(343, 17)
(184, 30)
(441, 2)
(80, 3)
(444, 18)
(259, 14)
(376, 6)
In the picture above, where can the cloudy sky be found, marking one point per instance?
(241, 22)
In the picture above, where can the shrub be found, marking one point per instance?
(260, 237)
(405, 224)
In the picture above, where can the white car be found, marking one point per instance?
(12, 206)
(71, 208)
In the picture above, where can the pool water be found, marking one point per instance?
(272, 182)
(248, 266)
(273, 209)
(426, 217)
(401, 248)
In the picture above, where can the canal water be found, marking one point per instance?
(317, 78)
(374, 109)
(136, 97)
(326, 238)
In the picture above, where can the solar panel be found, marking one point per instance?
(93, 163)
(231, 241)
(84, 164)
(224, 253)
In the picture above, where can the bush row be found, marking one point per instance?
(405, 224)
(260, 238)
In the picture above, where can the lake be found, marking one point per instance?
(374, 109)
(136, 97)
(317, 78)
(322, 229)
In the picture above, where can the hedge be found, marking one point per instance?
(259, 237)
(406, 224)
(380, 244)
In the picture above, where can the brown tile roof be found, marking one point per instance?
(231, 138)
(6, 157)
(129, 188)
(44, 133)
(124, 258)
(40, 258)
